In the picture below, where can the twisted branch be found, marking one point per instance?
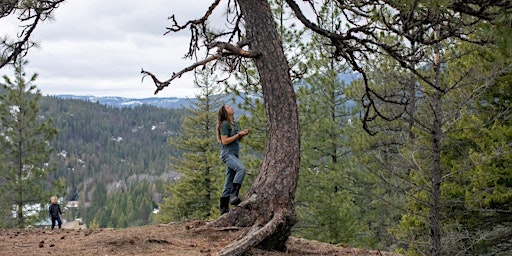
(223, 49)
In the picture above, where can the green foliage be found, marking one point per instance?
(471, 89)
(327, 201)
(479, 184)
(123, 208)
(196, 193)
(25, 145)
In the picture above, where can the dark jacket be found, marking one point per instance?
(54, 211)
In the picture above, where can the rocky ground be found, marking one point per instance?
(169, 239)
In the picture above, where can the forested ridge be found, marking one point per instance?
(112, 160)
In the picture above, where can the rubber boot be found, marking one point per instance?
(224, 205)
(234, 199)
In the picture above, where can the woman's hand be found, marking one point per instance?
(243, 133)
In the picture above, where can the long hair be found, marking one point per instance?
(222, 116)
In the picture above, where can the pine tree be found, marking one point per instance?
(326, 203)
(248, 88)
(25, 147)
(420, 115)
(479, 184)
(195, 194)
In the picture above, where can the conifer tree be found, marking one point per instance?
(247, 88)
(326, 200)
(196, 193)
(25, 145)
(418, 113)
(479, 183)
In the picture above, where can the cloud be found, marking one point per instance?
(97, 47)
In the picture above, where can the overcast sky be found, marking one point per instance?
(98, 47)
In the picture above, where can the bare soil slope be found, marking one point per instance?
(184, 238)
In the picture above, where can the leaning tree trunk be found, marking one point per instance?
(268, 205)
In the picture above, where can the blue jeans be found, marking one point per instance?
(235, 173)
(59, 222)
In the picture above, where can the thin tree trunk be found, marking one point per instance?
(435, 224)
(20, 174)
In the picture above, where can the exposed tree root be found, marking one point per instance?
(255, 236)
(228, 228)
(205, 228)
(226, 219)
(256, 228)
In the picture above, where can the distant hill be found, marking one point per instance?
(174, 102)
(121, 102)
(109, 156)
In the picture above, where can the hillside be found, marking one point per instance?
(121, 102)
(185, 238)
(110, 157)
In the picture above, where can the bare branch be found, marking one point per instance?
(198, 29)
(175, 27)
(223, 49)
(161, 85)
(232, 49)
(227, 53)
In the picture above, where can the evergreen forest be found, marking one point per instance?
(113, 161)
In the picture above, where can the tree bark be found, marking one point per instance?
(435, 207)
(268, 207)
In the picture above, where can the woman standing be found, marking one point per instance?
(229, 136)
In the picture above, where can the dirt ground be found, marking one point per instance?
(169, 239)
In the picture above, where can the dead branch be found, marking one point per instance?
(161, 85)
(176, 27)
(223, 49)
(231, 49)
